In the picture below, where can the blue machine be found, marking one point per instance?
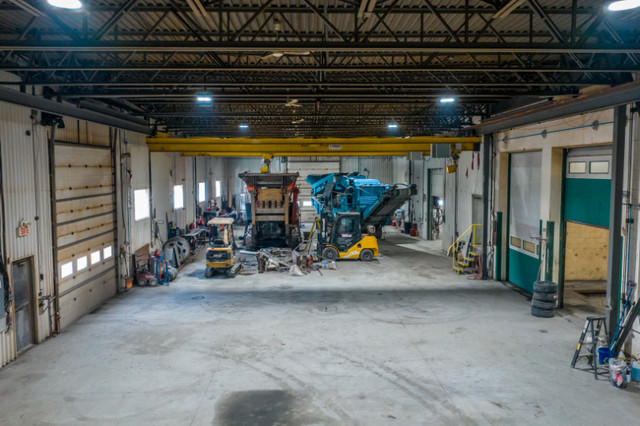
(342, 192)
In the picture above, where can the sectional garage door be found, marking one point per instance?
(85, 228)
(306, 168)
(524, 218)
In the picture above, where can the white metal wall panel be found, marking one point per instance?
(162, 191)
(349, 164)
(437, 183)
(140, 231)
(26, 195)
(380, 168)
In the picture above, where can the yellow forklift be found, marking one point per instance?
(221, 253)
(343, 238)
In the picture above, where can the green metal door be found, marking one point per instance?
(587, 186)
(524, 219)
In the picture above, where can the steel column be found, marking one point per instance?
(614, 272)
(487, 147)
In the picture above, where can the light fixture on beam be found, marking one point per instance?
(66, 4)
(447, 100)
(204, 99)
(623, 5)
(392, 126)
(243, 126)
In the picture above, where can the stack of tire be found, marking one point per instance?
(543, 304)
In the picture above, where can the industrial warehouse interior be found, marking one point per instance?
(305, 212)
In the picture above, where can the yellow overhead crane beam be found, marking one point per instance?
(285, 147)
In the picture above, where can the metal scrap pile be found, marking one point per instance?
(291, 261)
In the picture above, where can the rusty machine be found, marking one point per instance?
(273, 219)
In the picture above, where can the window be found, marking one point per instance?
(66, 269)
(178, 197)
(599, 167)
(107, 252)
(577, 167)
(81, 263)
(218, 188)
(95, 257)
(141, 204)
(202, 193)
(517, 242)
(529, 246)
(306, 203)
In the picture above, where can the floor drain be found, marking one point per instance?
(198, 297)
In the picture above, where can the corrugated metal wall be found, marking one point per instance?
(25, 186)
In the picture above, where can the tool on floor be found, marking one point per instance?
(595, 328)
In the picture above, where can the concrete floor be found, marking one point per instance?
(400, 341)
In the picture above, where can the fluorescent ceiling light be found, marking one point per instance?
(623, 5)
(446, 100)
(66, 4)
(243, 126)
(392, 125)
(204, 99)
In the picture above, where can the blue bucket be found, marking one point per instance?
(604, 353)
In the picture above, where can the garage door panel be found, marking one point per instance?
(84, 229)
(72, 251)
(81, 276)
(85, 206)
(80, 157)
(67, 211)
(524, 218)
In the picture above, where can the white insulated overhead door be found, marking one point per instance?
(306, 168)
(85, 226)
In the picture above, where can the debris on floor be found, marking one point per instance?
(290, 261)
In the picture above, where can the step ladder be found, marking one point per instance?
(596, 329)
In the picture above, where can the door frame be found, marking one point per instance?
(33, 301)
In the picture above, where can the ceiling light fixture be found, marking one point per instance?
(66, 4)
(623, 5)
(204, 99)
(447, 100)
(392, 125)
(243, 126)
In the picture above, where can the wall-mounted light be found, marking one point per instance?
(448, 100)
(66, 4)
(623, 5)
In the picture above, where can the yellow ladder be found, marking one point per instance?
(457, 264)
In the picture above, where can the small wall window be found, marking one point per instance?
(66, 269)
(529, 246)
(576, 167)
(218, 189)
(95, 257)
(202, 192)
(82, 263)
(178, 197)
(107, 252)
(599, 167)
(517, 242)
(141, 204)
(306, 203)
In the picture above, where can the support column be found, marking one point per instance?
(487, 147)
(550, 212)
(615, 218)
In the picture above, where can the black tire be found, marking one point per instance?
(545, 287)
(142, 282)
(366, 255)
(378, 233)
(545, 297)
(543, 305)
(543, 313)
(329, 253)
(208, 273)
